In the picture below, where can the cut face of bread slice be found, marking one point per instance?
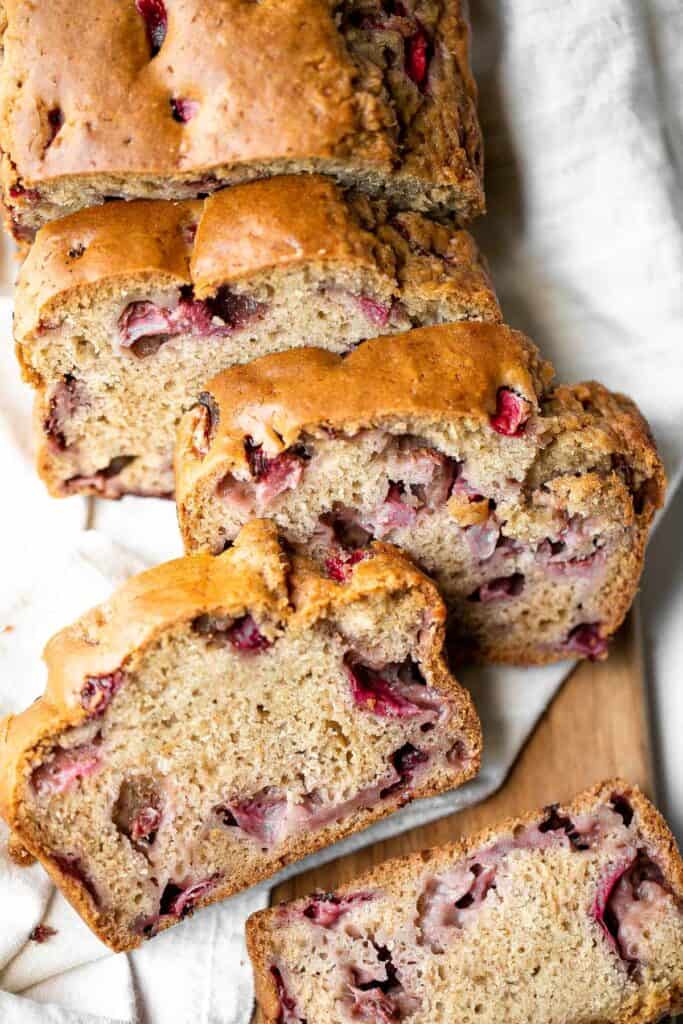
(529, 506)
(123, 313)
(191, 97)
(569, 915)
(220, 718)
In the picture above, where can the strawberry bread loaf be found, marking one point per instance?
(174, 99)
(529, 505)
(124, 312)
(570, 915)
(221, 717)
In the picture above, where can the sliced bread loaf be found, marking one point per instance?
(530, 506)
(569, 915)
(123, 313)
(219, 718)
(159, 100)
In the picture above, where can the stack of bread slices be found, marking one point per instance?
(247, 284)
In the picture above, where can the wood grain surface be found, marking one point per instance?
(595, 728)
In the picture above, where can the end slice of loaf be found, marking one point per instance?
(192, 96)
(219, 718)
(529, 506)
(123, 313)
(568, 915)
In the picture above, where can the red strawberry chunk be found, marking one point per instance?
(373, 693)
(499, 589)
(288, 1011)
(326, 909)
(144, 326)
(179, 901)
(243, 634)
(377, 994)
(183, 110)
(142, 319)
(512, 412)
(145, 824)
(602, 899)
(374, 1007)
(388, 693)
(375, 311)
(405, 761)
(283, 474)
(246, 636)
(395, 513)
(587, 641)
(416, 57)
(262, 816)
(257, 459)
(461, 485)
(273, 476)
(580, 567)
(65, 769)
(28, 195)
(483, 539)
(98, 691)
(627, 900)
(64, 401)
(339, 567)
(156, 22)
(230, 311)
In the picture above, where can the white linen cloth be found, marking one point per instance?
(582, 109)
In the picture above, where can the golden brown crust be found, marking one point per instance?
(18, 853)
(578, 403)
(277, 224)
(434, 373)
(438, 375)
(142, 241)
(254, 575)
(253, 60)
(651, 825)
(275, 85)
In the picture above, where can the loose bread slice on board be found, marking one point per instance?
(124, 312)
(154, 100)
(529, 505)
(568, 915)
(219, 718)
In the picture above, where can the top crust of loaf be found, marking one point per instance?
(274, 82)
(253, 57)
(447, 371)
(275, 224)
(254, 575)
(432, 374)
(651, 826)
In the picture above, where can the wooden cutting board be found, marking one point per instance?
(595, 728)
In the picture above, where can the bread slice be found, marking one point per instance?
(529, 506)
(569, 915)
(123, 313)
(219, 718)
(155, 100)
